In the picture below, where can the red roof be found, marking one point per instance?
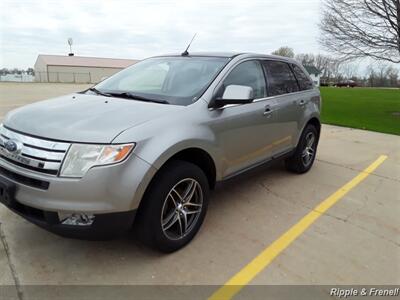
(84, 61)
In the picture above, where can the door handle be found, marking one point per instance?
(267, 111)
(302, 102)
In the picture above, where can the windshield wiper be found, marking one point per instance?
(98, 92)
(129, 95)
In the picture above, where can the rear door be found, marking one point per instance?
(306, 97)
(282, 86)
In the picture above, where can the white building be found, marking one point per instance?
(314, 73)
(77, 69)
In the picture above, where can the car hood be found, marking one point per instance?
(84, 118)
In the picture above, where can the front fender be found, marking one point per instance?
(159, 149)
(156, 146)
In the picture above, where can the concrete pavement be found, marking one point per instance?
(356, 242)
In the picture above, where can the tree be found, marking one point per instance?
(30, 71)
(284, 51)
(362, 28)
(306, 59)
(328, 66)
(393, 76)
(371, 77)
(348, 70)
(383, 75)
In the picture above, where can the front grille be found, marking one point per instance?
(36, 154)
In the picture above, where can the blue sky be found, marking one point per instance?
(138, 29)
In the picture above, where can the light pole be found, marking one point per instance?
(70, 41)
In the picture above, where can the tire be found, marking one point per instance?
(303, 158)
(160, 221)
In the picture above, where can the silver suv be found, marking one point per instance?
(144, 147)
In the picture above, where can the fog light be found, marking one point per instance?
(77, 219)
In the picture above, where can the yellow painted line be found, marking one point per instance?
(245, 275)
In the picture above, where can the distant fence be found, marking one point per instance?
(17, 77)
(63, 77)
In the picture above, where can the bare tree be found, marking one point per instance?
(284, 51)
(348, 70)
(306, 59)
(383, 75)
(362, 28)
(393, 77)
(328, 66)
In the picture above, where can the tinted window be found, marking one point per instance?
(248, 73)
(280, 78)
(303, 80)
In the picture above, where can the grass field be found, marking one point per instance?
(365, 108)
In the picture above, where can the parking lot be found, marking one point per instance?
(356, 241)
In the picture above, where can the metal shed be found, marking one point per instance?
(77, 69)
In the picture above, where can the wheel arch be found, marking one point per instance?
(314, 120)
(200, 158)
(316, 123)
(197, 156)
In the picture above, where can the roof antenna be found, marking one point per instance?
(186, 53)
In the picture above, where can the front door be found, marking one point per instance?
(245, 132)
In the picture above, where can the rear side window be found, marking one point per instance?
(303, 80)
(248, 73)
(280, 78)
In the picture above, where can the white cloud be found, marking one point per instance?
(137, 29)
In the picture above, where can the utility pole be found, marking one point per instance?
(70, 42)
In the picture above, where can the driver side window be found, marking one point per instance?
(248, 73)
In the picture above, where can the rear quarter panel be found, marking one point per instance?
(311, 110)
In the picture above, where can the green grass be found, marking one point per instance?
(365, 108)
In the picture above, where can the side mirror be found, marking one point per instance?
(235, 94)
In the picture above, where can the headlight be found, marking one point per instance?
(82, 157)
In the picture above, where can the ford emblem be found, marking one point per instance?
(13, 146)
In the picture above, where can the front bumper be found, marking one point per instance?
(105, 189)
(111, 193)
(105, 226)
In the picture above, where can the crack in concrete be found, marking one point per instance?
(11, 265)
(345, 220)
(357, 170)
(273, 193)
(303, 205)
(364, 229)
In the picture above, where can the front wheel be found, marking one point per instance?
(303, 158)
(174, 207)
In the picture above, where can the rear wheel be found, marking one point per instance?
(303, 158)
(174, 207)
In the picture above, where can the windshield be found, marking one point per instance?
(174, 80)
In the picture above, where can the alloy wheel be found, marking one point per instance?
(181, 209)
(309, 149)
